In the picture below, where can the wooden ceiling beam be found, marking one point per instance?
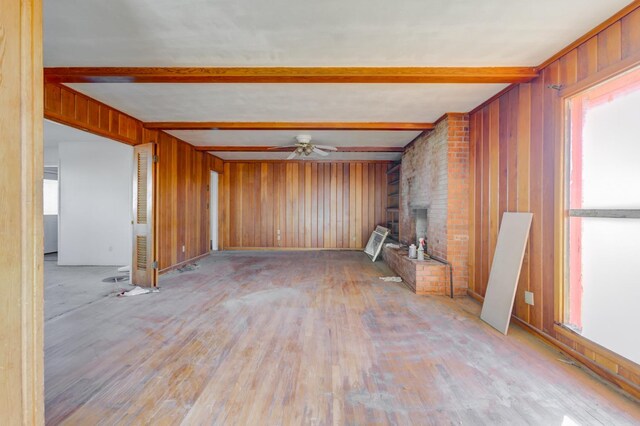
(214, 125)
(290, 75)
(266, 148)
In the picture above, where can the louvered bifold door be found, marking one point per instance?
(142, 266)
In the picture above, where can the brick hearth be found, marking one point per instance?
(423, 276)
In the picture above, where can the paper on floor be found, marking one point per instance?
(391, 279)
(138, 290)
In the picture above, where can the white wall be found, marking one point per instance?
(95, 203)
(50, 219)
(50, 227)
(51, 156)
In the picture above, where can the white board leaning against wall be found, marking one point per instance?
(505, 270)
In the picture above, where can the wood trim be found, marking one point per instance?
(267, 125)
(267, 148)
(604, 74)
(595, 31)
(67, 106)
(21, 238)
(618, 359)
(290, 75)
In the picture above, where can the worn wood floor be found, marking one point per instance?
(305, 338)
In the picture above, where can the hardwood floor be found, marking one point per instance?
(306, 338)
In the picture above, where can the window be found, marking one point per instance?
(603, 194)
(50, 196)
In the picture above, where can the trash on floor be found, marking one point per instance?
(392, 245)
(125, 268)
(189, 267)
(391, 279)
(116, 279)
(138, 290)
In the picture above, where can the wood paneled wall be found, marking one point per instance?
(516, 147)
(182, 199)
(182, 173)
(69, 107)
(313, 204)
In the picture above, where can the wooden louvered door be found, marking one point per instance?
(142, 266)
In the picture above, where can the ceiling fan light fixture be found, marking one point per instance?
(303, 139)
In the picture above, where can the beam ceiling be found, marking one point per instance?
(267, 125)
(290, 75)
(289, 149)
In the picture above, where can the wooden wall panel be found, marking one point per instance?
(517, 149)
(312, 204)
(182, 200)
(67, 106)
(182, 182)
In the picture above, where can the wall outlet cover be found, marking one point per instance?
(528, 298)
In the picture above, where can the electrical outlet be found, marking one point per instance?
(278, 237)
(528, 298)
(183, 249)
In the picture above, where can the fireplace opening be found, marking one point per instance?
(420, 225)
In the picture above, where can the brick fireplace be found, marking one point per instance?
(419, 223)
(434, 198)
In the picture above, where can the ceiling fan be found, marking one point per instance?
(304, 147)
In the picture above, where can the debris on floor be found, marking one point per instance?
(189, 267)
(391, 279)
(125, 268)
(392, 245)
(137, 291)
(116, 279)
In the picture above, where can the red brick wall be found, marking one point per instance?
(458, 201)
(435, 175)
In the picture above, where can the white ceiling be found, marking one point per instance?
(307, 33)
(287, 137)
(289, 102)
(315, 33)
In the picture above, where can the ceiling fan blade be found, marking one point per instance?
(283, 146)
(292, 155)
(328, 148)
(317, 151)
